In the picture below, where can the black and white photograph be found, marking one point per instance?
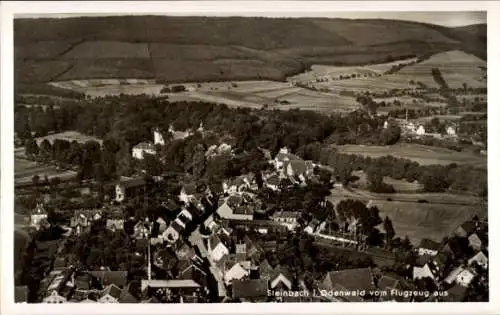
(201, 158)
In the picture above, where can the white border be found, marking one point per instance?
(242, 8)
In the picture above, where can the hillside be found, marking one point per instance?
(214, 49)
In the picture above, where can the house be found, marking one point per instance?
(165, 259)
(158, 137)
(186, 252)
(60, 287)
(440, 263)
(347, 285)
(460, 275)
(175, 286)
(466, 229)
(142, 148)
(420, 130)
(239, 184)
(456, 293)
(265, 270)
(283, 156)
(115, 224)
(478, 240)
(173, 232)
(110, 294)
(191, 270)
(287, 218)
(188, 193)
(38, 216)
(480, 258)
(425, 271)
(81, 221)
(21, 294)
(451, 130)
(237, 271)
(216, 248)
(142, 229)
(250, 290)
(105, 278)
(428, 247)
(273, 182)
(129, 187)
(235, 208)
(391, 284)
(162, 225)
(312, 226)
(300, 168)
(280, 279)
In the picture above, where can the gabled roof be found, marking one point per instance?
(429, 244)
(287, 214)
(479, 256)
(144, 146)
(133, 182)
(349, 279)
(189, 189)
(118, 278)
(249, 288)
(112, 290)
(391, 281)
(468, 227)
(214, 241)
(298, 166)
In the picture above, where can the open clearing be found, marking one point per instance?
(24, 171)
(68, 136)
(400, 185)
(435, 219)
(424, 155)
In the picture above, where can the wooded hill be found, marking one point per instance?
(177, 49)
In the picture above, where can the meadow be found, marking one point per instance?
(24, 170)
(424, 155)
(68, 136)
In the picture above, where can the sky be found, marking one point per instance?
(450, 19)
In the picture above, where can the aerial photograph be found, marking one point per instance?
(228, 159)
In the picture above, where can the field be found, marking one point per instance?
(422, 154)
(435, 219)
(68, 136)
(100, 88)
(325, 72)
(456, 67)
(24, 171)
(398, 184)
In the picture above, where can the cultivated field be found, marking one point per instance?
(24, 171)
(422, 154)
(435, 219)
(326, 72)
(68, 136)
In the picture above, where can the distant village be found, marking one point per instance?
(211, 245)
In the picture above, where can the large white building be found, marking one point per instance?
(142, 148)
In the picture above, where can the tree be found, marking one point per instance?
(36, 180)
(389, 231)
(391, 135)
(31, 147)
(199, 161)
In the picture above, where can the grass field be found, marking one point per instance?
(398, 184)
(68, 136)
(435, 219)
(422, 154)
(24, 171)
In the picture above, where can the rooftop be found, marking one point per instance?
(249, 288)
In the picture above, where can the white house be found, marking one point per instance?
(128, 187)
(287, 218)
(158, 137)
(460, 275)
(428, 247)
(216, 248)
(420, 130)
(38, 216)
(479, 258)
(236, 272)
(451, 130)
(140, 149)
(386, 124)
(422, 272)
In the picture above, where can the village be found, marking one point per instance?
(215, 243)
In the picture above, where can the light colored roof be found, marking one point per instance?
(144, 146)
(169, 284)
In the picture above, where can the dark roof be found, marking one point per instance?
(287, 214)
(350, 279)
(126, 297)
(468, 226)
(167, 257)
(273, 180)
(112, 290)
(298, 166)
(244, 210)
(185, 252)
(249, 288)
(176, 226)
(130, 183)
(21, 294)
(429, 244)
(234, 201)
(455, 294)
(118, 278)
(214, 241)
(189, 189)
